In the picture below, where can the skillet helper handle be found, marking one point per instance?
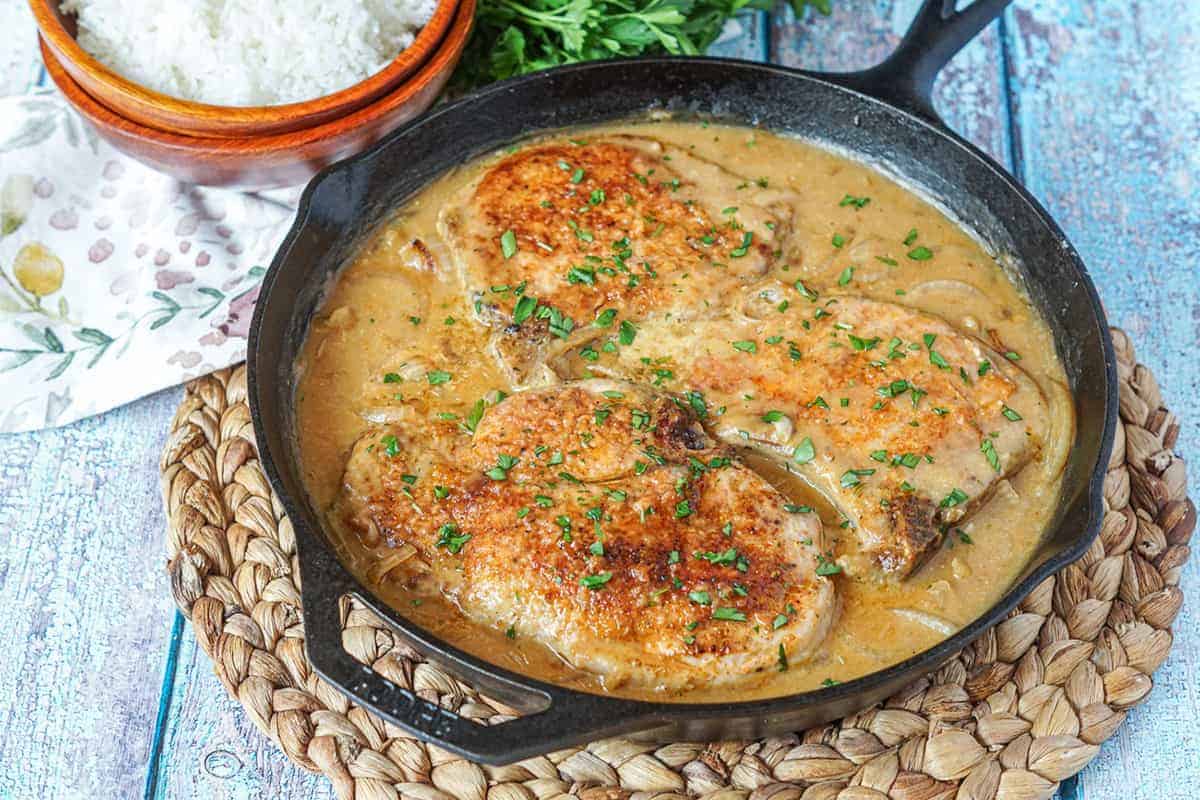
(905, 79)
(564, 719)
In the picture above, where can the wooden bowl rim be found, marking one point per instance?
(141, 103)
(445, 57)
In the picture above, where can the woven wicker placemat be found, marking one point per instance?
(1008, 718)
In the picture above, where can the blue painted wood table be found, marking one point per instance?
(1094, 105)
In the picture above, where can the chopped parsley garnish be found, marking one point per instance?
(858, 343)
(911, 237)
(988, 448)
(437, 376)
(746, 346)
(682, 509)
(1010, 414)
(772, 416)
(391, 445)
(508, 243)
(474, 416)
(441, 492)
(956, 497)
(728, 615)
(747, 240)
(838, 240)
(782, 661)
(392, 377)
(523, 310)
(700, 598)
(827, 566)
(451, 538)
(605, 318)
(585, 275)
(846, 276)
(852, 477)
(626, 333)
(580, 234)
(805, 292)
(503, 464)
(560, 325)
(696, 401)
(595, 582)
(804, 452)
(728, 558)
(851, 200)
(920, 253)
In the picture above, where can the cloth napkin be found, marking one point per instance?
(115, 280)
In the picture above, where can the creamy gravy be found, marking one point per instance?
(389, 313)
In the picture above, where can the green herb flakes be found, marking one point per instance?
(595, 582)
(508, 243)
(804, 452)
(451, 538)
(728, 615)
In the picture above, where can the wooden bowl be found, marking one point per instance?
(277, 159)
(154, 109)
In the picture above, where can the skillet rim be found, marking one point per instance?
(640, 714)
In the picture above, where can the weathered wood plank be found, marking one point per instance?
(211, 750)
(1107, 121)
(860, 33)
(745, 36)
(85, 604)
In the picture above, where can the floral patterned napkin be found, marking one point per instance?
(115, 280)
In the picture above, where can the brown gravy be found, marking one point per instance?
(387, 309)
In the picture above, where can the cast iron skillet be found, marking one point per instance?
(883, 115)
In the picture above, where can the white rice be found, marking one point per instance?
(247, 52)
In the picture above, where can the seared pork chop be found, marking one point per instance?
(904, 423)
(556, 237)
(599, 518)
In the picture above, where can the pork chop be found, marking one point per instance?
(903, 422)
(560, 236)
(600, 518)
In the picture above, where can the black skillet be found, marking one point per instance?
(883, 116)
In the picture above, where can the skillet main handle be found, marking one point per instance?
(905, 79)
(564, 718)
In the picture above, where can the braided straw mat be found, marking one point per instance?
(1009, 717)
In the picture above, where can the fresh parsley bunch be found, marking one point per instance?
(513, 37)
